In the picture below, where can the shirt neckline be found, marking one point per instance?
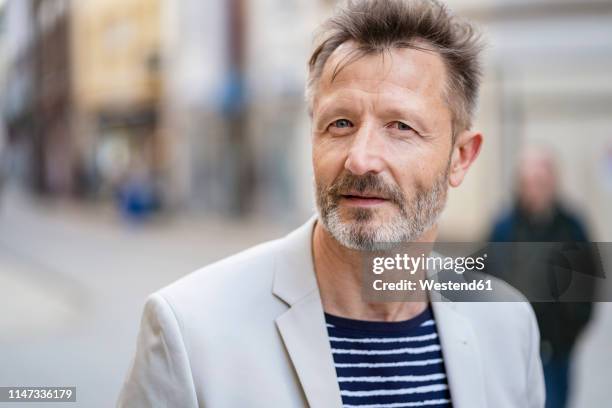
(369, 325)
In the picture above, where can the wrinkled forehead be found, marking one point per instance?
(414, 71)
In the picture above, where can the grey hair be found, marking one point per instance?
(381, 25)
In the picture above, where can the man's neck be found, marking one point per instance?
(338, 271)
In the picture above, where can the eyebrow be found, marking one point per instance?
(337, 110)
(332, 107)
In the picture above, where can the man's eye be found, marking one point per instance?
(400, 125)
(342, 123)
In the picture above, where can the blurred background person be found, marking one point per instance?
(539, 216)
(137, 193)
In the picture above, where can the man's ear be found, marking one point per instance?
(466, 149)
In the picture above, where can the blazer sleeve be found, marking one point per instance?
(160, 375)
(536, 392)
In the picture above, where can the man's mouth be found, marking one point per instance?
(363, 199)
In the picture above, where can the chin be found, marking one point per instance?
(374, 217)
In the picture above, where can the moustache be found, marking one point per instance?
(369, 184)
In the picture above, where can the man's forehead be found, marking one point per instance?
(414, 70)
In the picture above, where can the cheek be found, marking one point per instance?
(411, 164)
(419, 173)
(327, 160)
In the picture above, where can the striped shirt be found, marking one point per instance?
(389, 364)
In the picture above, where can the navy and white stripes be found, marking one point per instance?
(389, 364)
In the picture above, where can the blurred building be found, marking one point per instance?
(38, 101)
(201, 95)
(53, 138)
(279, 48)
(234, 98)
(82, 90)
(205, 97)
(117, 80)
(18, 104)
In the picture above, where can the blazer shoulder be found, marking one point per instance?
(243, 278)
(231, 280)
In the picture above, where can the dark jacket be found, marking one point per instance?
(560, 322)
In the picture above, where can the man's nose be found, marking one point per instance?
(364, 153)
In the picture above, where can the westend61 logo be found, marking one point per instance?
(412, 273)
(412, 264)
(487, 272)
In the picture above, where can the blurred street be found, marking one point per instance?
(73, 280)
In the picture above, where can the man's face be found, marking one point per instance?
(537, 183)
(381, 146)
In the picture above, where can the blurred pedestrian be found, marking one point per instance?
(137, 193)
(539, 216)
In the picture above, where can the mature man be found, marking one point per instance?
(391, 91)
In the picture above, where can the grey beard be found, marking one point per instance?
(413, 219)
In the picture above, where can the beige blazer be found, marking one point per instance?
(249, 331)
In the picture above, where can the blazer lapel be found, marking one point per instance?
(302, 326)
(305, 336)
(461, 356)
